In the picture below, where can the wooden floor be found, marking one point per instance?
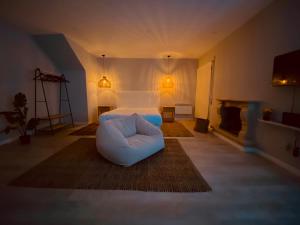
(247, 189)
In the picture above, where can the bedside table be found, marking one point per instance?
(103, 109)
(168, 113)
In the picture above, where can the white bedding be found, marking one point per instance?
(150, 114)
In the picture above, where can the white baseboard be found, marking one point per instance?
(257, 151)
(280, 163)
(233, 143)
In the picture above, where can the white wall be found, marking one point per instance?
(244, 63)
(19, 56)
(147, 74)
(91, 67)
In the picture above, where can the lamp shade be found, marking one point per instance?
(104, 83)
(168, 82)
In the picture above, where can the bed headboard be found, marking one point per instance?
(138, 99)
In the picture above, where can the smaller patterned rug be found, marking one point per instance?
(173, 129)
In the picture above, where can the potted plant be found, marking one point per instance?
(17, 119)
(267, 114)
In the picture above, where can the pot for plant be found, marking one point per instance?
(25, 139)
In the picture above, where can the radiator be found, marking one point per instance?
(183, 109)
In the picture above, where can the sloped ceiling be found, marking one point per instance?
(134, 28)
(58, 49)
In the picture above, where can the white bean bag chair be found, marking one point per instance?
(126, 141)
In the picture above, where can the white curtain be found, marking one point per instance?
(203, 91)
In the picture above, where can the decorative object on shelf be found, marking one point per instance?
(17, 119)
(104, 82)
(168, 80)
(103, 109)
(168, 113)
(267, 114)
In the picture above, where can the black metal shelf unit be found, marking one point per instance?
(40, 77)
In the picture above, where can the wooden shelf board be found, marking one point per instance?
(55, 127)
(56, 116)
(52, 78)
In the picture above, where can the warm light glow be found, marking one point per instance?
(168, 82)
(104, 83)
(283, 81)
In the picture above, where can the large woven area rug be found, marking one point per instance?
(174, 129)
(80, 166)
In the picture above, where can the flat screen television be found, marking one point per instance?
(286, 69)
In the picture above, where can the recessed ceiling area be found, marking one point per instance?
(135, 28)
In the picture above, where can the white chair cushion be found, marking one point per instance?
(145, 127)
(115, 142)
(126, 125)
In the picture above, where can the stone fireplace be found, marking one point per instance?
(237, 120)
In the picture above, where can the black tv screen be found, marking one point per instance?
(286, 69)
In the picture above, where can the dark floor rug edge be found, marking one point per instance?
(206, 186)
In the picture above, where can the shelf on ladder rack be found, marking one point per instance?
(54, 117)
(54, 127)
(52, 78)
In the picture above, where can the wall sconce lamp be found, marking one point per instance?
(104, 82)
(168, 80)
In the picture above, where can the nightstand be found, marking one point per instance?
(103, 109)
(168, 113)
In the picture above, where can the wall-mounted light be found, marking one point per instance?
(283, 82)
(168, 80)
(104, 82)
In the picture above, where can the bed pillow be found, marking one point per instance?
(125, 125)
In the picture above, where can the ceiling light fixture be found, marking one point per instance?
(104, 82)
(168, 81)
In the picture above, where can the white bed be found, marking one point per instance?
(144, 103)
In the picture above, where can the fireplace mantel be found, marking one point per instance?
(248, 115)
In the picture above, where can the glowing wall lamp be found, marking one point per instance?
(168, 80)
(104, 82)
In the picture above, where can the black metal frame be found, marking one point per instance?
(44, 77)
